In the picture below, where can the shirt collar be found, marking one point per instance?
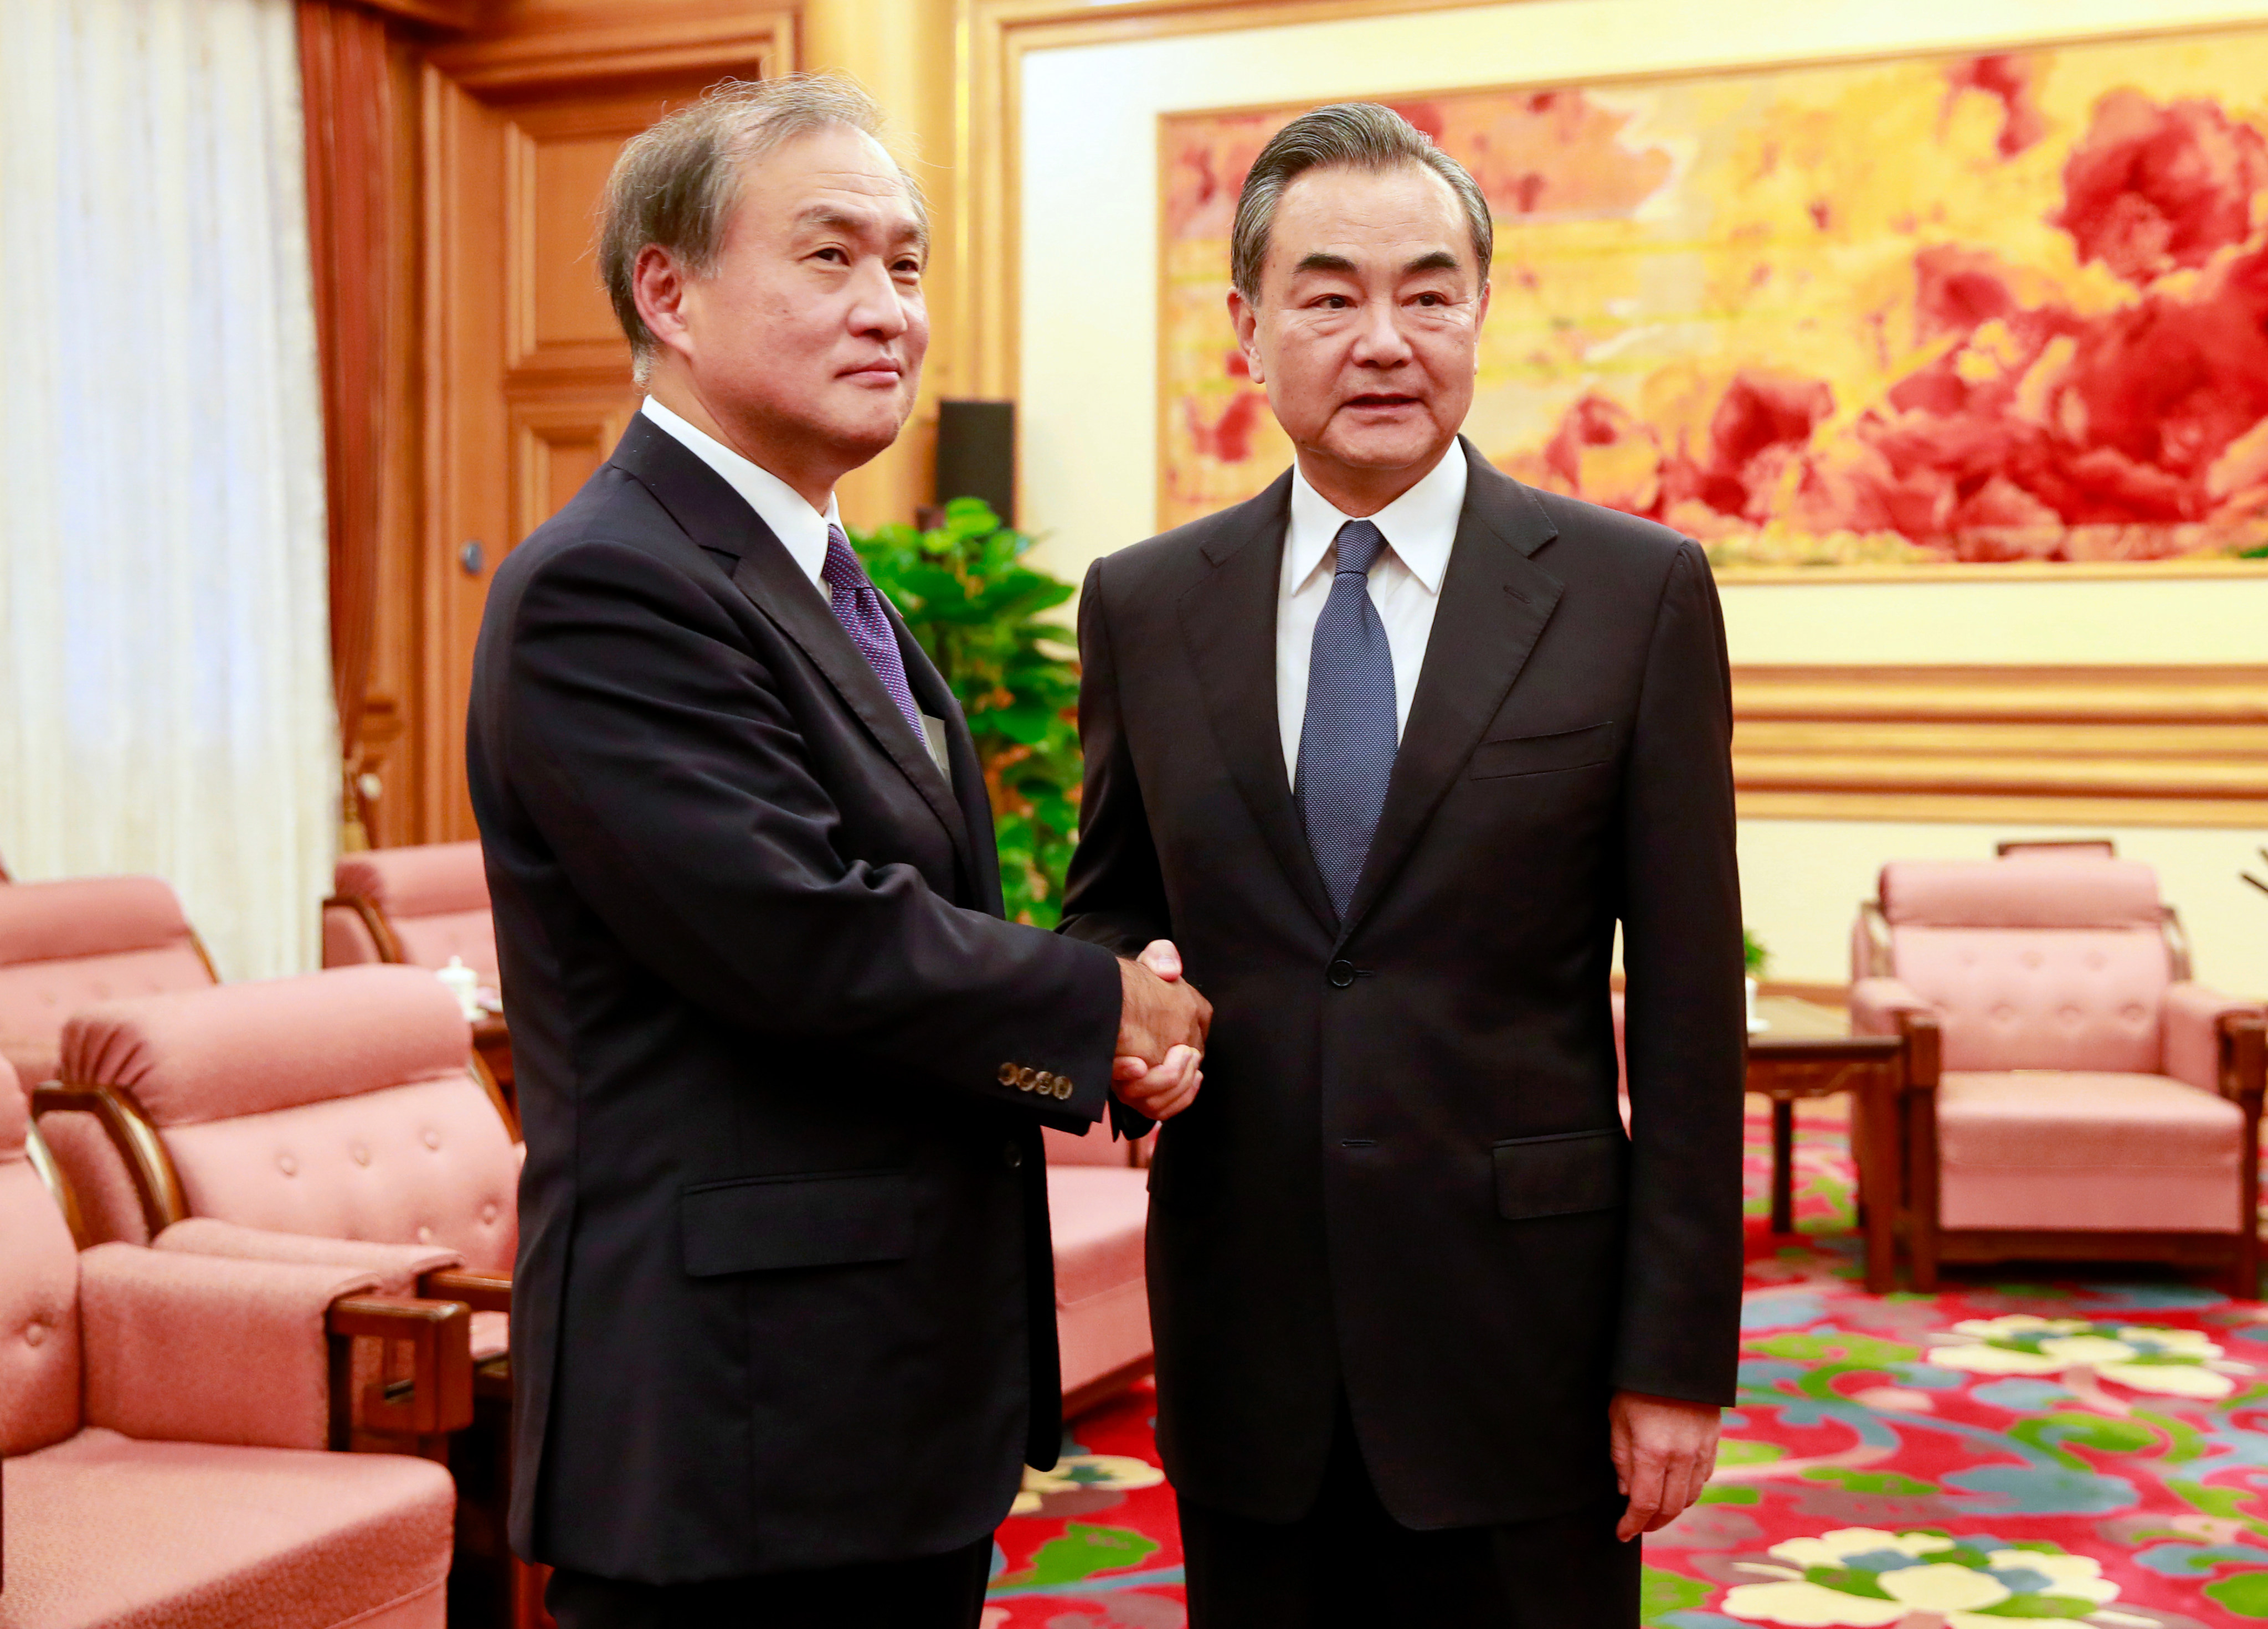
(801, 529)
(1420, 525)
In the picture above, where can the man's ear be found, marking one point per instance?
(1246, 320)
(1481, 316)
(659, 284)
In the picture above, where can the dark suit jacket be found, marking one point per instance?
(1406, 1174)
(784, 1296)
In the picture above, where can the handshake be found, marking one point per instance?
(1162, 1034)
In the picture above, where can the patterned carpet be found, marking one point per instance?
(2077, 1451)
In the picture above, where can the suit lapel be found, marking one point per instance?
(1229, 623)
(1495, 601)
(716, 517)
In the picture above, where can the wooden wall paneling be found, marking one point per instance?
(2044, 745)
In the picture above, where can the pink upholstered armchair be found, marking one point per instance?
(333, 1117)
(420, 905)
(1099, 1209)
(65, 944)
(341, 1105)
(166, 1421)
(2072, 1095)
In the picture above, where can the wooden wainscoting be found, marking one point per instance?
(2040, 746)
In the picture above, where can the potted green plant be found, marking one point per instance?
(978, 611)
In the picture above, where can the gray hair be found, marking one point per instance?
(1361, 136)
(675, 184)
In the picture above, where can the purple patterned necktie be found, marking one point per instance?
(857, 606)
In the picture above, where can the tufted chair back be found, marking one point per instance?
(40, 1395)
(2036, 963)
(340, 1105)
(433, 899)
(65, 945)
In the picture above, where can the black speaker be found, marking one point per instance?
(976, 454)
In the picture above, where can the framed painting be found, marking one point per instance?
(1861, 316)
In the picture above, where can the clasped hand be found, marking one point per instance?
(1162, 1034)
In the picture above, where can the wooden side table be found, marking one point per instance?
(1810, 1051)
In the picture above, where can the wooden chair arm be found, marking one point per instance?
(1924, 1038)
(482, 1292)
(373, 922)
(2243, 1059)
(434, 1396)
(156, 1186)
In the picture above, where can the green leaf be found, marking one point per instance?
(2064, 1607)
(1661, 1593)
(1741, 1452)
(1729, 1493)
(1839, 1346)
(1082, 1552)
(1849, 1580)
(2245, 1594)
(1887, 1483)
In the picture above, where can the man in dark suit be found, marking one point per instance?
(1385, 754)
(782, 1323)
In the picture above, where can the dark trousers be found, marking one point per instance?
(934, 1592)
(1349, 1565)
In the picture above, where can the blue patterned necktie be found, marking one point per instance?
(857, 606)
(1348, 739)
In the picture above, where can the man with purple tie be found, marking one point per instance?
(783, 1319)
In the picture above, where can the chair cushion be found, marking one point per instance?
(424, 879)
(40, 1385)
(2035, 892)
(89, 916)
(235, 1049)
(1099, 1217)
(429, 1163)
(2077, 1150)
(469, 935)
(2041, 998)
(222, 1535)
(38, 998)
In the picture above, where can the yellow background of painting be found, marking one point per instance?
(1723, 267)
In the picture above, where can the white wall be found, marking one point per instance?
(1089, 350)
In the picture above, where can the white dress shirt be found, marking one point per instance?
(1420, 527)
(801, 529)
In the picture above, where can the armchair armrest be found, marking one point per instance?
(483, 1292)
(1890, 1006)
(183, 1347)
(1876, 1005)
(2212, 1041)
(397, 1268)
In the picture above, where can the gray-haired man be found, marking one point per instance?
(783, 1328)
(1386, 752)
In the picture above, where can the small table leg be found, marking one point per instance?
(1782, 1174)
(1876, 1105)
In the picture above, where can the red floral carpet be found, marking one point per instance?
(2075, 1452)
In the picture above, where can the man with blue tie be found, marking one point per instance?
(783, 1316)
(1381, 759)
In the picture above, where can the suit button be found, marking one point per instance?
(1007, 1075)
(1028, 1080)
(1012, 1157)
(1062, 1090)
(1340, 972)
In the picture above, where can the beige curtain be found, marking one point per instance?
(165, 684)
